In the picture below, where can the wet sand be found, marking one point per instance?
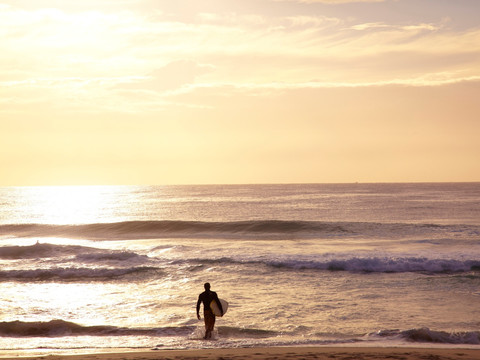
(280, 353)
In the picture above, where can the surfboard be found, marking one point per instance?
(216, 310)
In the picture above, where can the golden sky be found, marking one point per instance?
(228, 91)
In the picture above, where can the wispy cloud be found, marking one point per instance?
(384, 26)
(332, 2)
(223, 90)
(169, 77)
(179, 82)
(94, 52)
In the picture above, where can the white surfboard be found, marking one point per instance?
(216, 310)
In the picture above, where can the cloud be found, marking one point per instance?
(172, 76)
(384, 26)
(98, 57)
(268, 89)
(331, 2)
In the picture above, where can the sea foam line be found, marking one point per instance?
(355, 264)
(59, 328)
(426, 335)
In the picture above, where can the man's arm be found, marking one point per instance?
(198, 307)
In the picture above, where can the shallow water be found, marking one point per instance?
(110, 267)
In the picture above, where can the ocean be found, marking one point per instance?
(98, 268)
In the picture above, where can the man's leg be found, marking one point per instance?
(209, 323)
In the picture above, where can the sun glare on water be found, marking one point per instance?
(68, 204)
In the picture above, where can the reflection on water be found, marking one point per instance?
(338, 278)
(63, 204)
(71, 204)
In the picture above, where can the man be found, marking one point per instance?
(206, 298)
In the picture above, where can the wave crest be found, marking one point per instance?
(159, 229)
(431, 336)
(71, 274)
(355, 264)
(59, 328)
(274, 229)
(39, 250)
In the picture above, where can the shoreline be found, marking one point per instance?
(275, 353)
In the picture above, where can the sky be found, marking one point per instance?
(98, 92)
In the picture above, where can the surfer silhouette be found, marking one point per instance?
(206, 298)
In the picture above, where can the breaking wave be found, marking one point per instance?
(59, 328)
(159, 229)
(76, 263)
(72, 274)
(40, 250)
(430, 336)
(386, 265)
(257, 229)
(80, 253)
(355, 264)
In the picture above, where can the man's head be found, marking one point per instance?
(206, 286)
